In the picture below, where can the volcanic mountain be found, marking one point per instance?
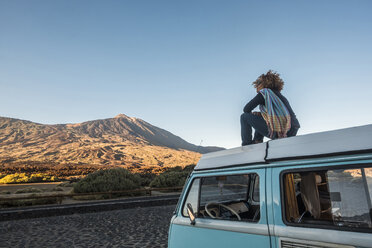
(120, 141)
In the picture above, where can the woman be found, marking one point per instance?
(276, 118)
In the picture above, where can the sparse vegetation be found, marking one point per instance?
(174, 177)
(57, 189)
(28, 190)
(169, 179)
(29, 202)
(66, 184)
(146, 178)
(118, 179)
(27, 178)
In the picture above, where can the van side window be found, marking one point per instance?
(229, 197)
(192, 197)
(332, 197)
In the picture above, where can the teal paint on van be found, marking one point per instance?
(317, 234)
(203, 237)
(199, 237)
(326, 160)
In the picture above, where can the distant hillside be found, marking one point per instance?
(119, 141)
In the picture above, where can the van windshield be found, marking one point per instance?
(224, 189)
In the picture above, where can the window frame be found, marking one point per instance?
(253, 188)
(314, 169)
(187, 195)
(249, 190)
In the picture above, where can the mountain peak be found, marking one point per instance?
(121, 116)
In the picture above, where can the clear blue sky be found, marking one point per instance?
(185, 66)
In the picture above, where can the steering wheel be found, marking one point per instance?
(221, 205)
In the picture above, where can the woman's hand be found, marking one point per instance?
(257, 113)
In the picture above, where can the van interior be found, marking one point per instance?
(230, 198)
(326, 197)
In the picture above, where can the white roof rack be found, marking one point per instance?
(348, 140)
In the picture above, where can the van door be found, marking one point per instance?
(323, 206)
(230, 211)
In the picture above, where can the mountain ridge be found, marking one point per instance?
(119, 141)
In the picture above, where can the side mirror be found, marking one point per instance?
(190, 211)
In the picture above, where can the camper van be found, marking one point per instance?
(311, 190)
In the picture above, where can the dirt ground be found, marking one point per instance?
(8, 191)
(50, 188)
(46, 187)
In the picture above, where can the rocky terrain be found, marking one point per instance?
(120, 141)
(137, 227)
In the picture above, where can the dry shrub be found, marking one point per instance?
(118, 179)
(173, 177)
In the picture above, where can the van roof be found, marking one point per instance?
(342, 141)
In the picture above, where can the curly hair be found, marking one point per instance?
(269, 80)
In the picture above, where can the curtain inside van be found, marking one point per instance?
(290, 199)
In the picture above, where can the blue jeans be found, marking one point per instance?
(249, 121)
